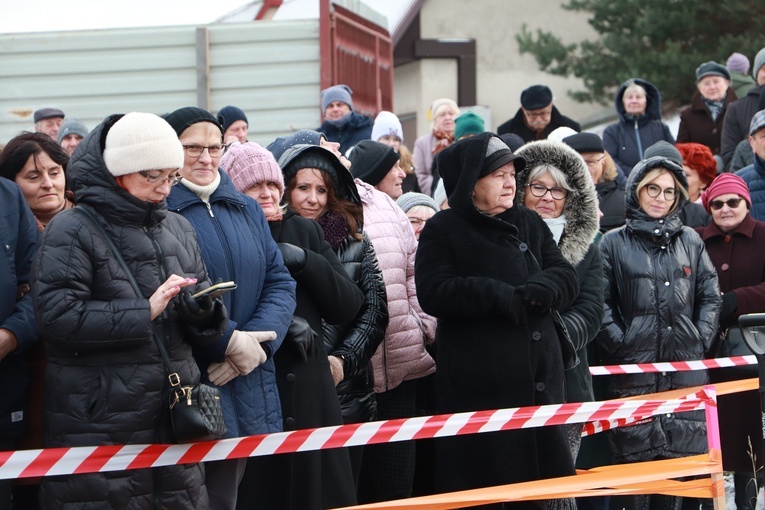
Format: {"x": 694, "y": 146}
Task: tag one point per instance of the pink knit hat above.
{"x": 724, "y": 184}
{"x": 248, "y": 164}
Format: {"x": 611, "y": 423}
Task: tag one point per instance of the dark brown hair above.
{"x": 19, "y": 149}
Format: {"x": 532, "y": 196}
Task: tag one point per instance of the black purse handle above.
{"x": 172, "y": 376}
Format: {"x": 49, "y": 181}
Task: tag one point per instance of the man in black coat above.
{"x": 537, "y": 117}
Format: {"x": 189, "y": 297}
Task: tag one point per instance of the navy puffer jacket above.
{"x": 662, "y": 303}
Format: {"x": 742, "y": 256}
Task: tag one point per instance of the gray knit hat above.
{"x": 759, "y": 61}
{"x": 666, "y": 150}
{"x": 340, "y": 93}
{"x": 141, "y": 141}
{"x": 412, "y": 199}
{"x": 72, "y": 127}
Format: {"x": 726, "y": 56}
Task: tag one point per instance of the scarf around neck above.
{"x": 203, "y": 192}
{"x": 443, "y": 140}
{"x": 556, "y": 226}
{"x": 335, "y": 229}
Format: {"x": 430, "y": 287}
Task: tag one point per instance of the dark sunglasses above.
{"x": 732, "y": 203}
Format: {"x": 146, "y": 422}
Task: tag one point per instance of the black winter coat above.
{"x": 319, "y": 479}
{"x": 584, "y": 316}
{"x": 662, "y": 302}
{"x": 105, "y": 382}
{"x": 517, "y": 125}
{"x": 627, "y": 140}
{"x": 611, "y": 198}
{"x": 736, "y": 124}
{"x": 468, "y": 268}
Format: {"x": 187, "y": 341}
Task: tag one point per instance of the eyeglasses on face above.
{"x": 539, "y": 191}
{"x": 732, "y": 203}
{"x": 654, "y": 191}
{"x": 195, "y": 151}
{"x": 157, "y": 178}
{"x": 593, "y": 162}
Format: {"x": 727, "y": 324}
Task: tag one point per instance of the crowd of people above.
{"x": 477, "y": 271}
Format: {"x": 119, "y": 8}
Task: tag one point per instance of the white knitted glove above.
{"x": 244, "y": 350}
{"x": 221, "y": 373}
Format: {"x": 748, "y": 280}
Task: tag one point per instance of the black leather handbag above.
{"x": 195, "y": 411}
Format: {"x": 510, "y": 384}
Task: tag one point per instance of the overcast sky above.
{"x": 53, "y": 15}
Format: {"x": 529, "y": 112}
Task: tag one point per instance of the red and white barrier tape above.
{"x": 63, "y": 461}
{"x": 675, "y": 366}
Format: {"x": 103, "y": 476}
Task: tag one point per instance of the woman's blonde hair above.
{"x": 654, "y": 173}
{"x": 406, "y": 160}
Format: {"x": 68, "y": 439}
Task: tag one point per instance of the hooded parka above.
{"x": 105, "y": 381}
{"x": 468, "y": 268}
{"x": 662, "y": 302}
{"x": 583, "y": 317}
{"x": 627, "y": 140}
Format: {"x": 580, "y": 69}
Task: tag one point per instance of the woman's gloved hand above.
{"x": 729, "y": 305}
{"x": 294, "y": 256}
{"x": 538, "y": 298}
{"x": 196, "y": 312}
{"x": 301, "y": 337}
{"x": 518, "y": 308}
{"x": 244, "y": 350}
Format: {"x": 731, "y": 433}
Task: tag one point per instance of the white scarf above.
{"x": 203, "y": 192}
{"x": 556, "y": 226}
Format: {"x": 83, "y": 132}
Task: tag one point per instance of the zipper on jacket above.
{"x": 209, "y": 209}
{"x": 637, "y": 139}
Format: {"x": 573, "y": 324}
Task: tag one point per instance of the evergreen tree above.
{"x": 661, "y": 41}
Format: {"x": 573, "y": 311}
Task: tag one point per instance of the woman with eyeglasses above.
{"x": 662, "y": 302}
{"x": 106, "y": 383}
{"x": 236, "y": 245}
{"x": 556, "y": 184}
{"x": 735, "y": 242}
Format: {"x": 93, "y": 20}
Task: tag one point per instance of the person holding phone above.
{"x": 236, "y": 246}
{"x": 105, "y": 383}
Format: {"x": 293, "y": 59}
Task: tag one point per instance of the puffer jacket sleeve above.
{"x": 613, "y": 327}
{"x": 583, "y": 318}
{"x": 62, "y": 291}
{"x": 277, "y": 300}
{"x": 706, "y": 315}
{"x": 326, "y": 279}
{"x": 369, "y": 326}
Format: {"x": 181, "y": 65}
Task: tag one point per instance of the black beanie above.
{"x": 302, "y": 156}
{"x": 584, "y": 142}
{"x": 184, "y": 117}
{"x": 371, "y": 161}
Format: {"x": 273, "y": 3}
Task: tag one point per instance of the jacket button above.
{"x": 666, "y": 284}
{"x": 536, "y": 335}
{"x": 669, "y": 328}
{"x": 523, "y": 246}
{"x": 290, "y": 378}
{"x": 289, "y": 422}
{"x": 540, "y": 386}
{"x": 725, "y": 267}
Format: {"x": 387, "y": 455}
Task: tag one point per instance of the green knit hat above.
{"x": 468, "y": 123}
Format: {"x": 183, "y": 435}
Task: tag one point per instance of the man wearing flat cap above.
{"x": 537, "y": 116}
{"x": 702, "y": 122}
{"x": 48, "y": 121}
{"x": 754, "y": 174}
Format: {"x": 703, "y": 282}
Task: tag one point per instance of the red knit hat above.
{"x": 724, "y": 184}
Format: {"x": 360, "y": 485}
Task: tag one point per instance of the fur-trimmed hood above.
{"x": 581, "y": 207}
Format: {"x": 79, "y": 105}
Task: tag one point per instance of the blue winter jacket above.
{"x": 237, "y": 245}
{"x": 18, "y": 240}
{"x": 754, "y": 175}
{"x": 627, "y": 140}
{"x": 348, "y": 131}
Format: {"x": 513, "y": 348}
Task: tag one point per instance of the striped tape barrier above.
{"x": 76, "y": 460}
{"x": 675, "y": 366}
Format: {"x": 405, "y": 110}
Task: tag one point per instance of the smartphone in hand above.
{"x": 215, "y": 290}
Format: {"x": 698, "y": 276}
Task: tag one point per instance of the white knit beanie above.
{"x": 387, "y": 124}
{"x": 142, "y": 141}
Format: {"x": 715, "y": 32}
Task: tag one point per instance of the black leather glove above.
{"x": 294, "y": 256}
{"x": 518, "y": 308}
{"x": 196, "y": 312}
{"x": 538, "y": 298}
{"x": 729, "y": 305}
{"x": 301, "y": 337}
